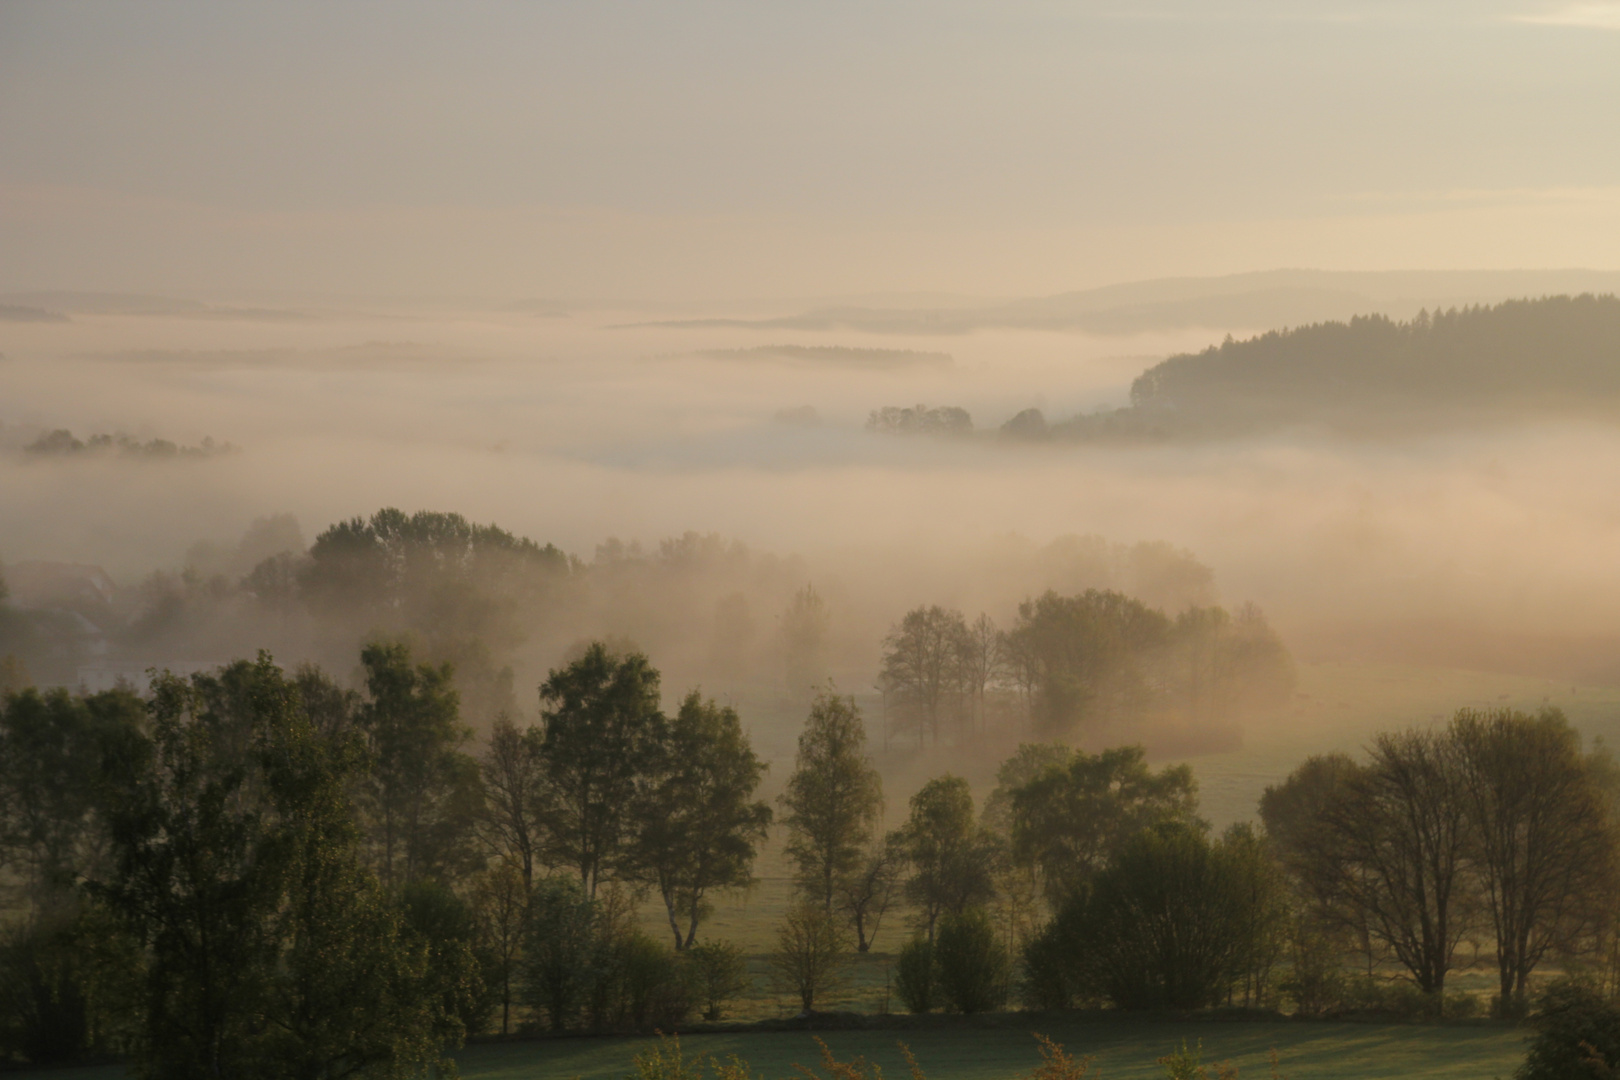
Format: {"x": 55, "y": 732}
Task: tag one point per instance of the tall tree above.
{"x": 422, "y": 797}
{"x": 352, "y": 991}
{"x": 804, "y": 638}
{"x": 1071, "y": 819}
{"x": 270, "y": 950}
{"x": 1540, "y": 839}
{"x": 923, "y": 666}
{"x": 1294, "y": 813}
{"x": 1395, "y": 846}
{"x": 981, "y": 664}
{"x": 601, "y": 722}
{"x": 952, "y": 858}
{"x": 698, "y": 820}
{"x": 833, "y": 798}
{"x": 515, "y": 796}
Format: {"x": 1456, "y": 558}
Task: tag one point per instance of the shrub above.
{"x": 1184, "y": 1064}
{"x": 1577, "y": 1034}
{"x": 971, "y": 963}
{"x": 1399, "y": 998}
{"x": 1049, "y": 963}
{"x": 643, "y": 985}
{"x": 1314, "y": 980}
{"x": 587, "y": 966}
{"x": 917, "y": 980}
{"x": 1168, "y": 924}
{"x": 559, "y": 951}
{"x": 718, "y": 974}
{"x": 811, "y": 955}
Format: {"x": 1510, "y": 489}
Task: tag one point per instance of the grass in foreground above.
{"x": 1007, "y": 1049}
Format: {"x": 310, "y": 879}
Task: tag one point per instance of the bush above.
{"x": 559, "y": 952}
{"x": 718, "y": 974}
{"x": 1314, "y": 982}
{"x": 642, "y": 985}
{"x": 1169, "y": 923}
{"x": 1398, "y": 998}
{"x": 917, "y": 979}
{"x": 1049, "y": 966}
{"x": 811, "y": 958}
{"x": 971, "y": 963}
{"x": 587, "y": 966}
{"x": 1577, "y": 1034}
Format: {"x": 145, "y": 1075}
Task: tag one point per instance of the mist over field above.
{"x": 580, "y": 428}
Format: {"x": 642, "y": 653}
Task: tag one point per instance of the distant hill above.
{"x": 1554, "y": 355}
{"x": 833, "y": 356}
{"x": 23, "y": 313}
{"x": 1237, "y": 302}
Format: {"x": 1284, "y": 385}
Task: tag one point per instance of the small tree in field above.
{"x": 811, "y": 955}
{"x": 720, "y": 973}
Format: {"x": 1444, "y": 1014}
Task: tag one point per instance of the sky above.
{"x": 696, "y": 152}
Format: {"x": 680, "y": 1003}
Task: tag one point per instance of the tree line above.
{"x": 257, "y": 870}
{"x": 1082, "y": 661}
{"x": 1370, "y": 373}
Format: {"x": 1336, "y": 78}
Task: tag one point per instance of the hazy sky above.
{"x": 703, "y": 150}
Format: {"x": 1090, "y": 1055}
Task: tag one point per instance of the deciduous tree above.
{"x": 601, "y": 721}
{"x": 698, "y": 822}
{"x": 832, "y": 800}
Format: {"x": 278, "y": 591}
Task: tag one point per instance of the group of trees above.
{"x": 1497, "y": 830}
{"x": 258, "y": 871}
{"x": 1085, "y": 660}
{"x": 199, "y": 893}
{"x": 253, "y": 865}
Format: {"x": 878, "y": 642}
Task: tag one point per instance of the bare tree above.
{"x": 501, "y": 905}
{"x": 1396, "y": 847}
{"x": 514, "y": 792}
{"x": 1541, "y": 843}
{"x": 980, "y": 663}
{"x": 867, "y": 893}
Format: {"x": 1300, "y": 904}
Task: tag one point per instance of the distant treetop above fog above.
{"x": 920, "y": 420}
{"x": 62, "y": 443}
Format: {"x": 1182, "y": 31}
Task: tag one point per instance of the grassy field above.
{"x": 1005, "y": 1048}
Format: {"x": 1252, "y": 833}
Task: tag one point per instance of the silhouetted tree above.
{"x": 952, "y": 859}
{"x": 698, "y": 822}
{"x": 832, "y": 800}
{"x": 602, "y": 724}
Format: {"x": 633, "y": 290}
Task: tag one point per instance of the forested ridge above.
{"x": 1557, "y": 353}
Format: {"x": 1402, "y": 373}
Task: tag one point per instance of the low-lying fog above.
{"x": 1481, "y": 547}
